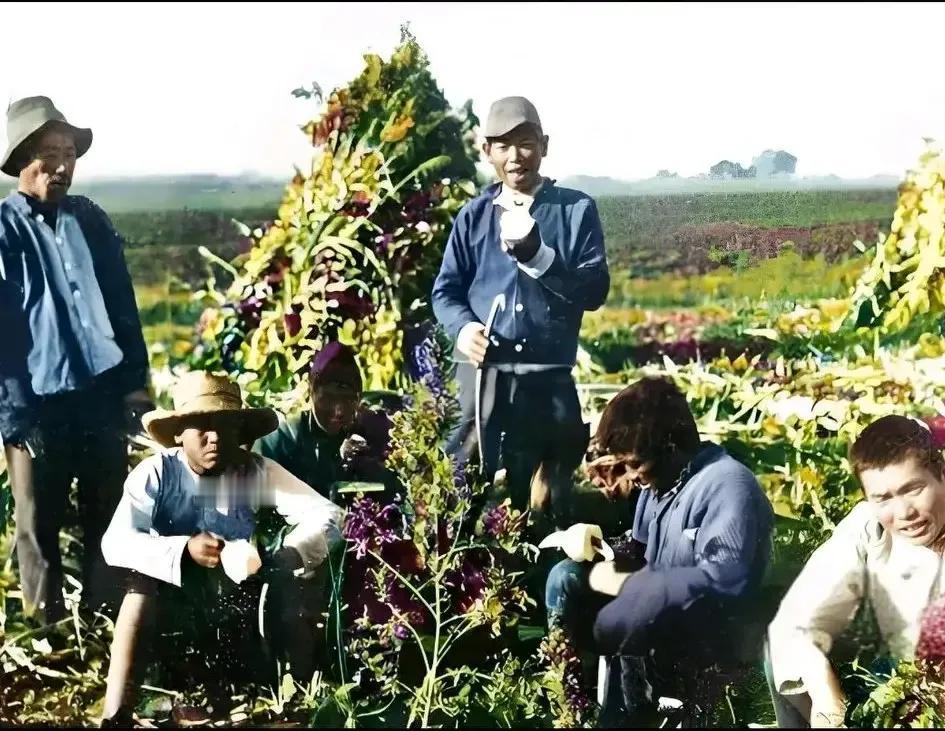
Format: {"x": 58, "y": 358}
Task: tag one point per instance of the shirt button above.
{"x": 519, "y": 307}
{"x": 77, "y": 294}
{"x": 518, "y": 347}
{"x": 39, "y": 217}
{"x": 58, "y": 240}
{"x": 85, "y": 323}
{"x": 68, "y": 267}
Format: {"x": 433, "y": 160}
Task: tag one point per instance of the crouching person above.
{"x": 700, "y": 545}
{"x": 198, "y": 527}
{"x": 340, "y": 438}
{"x": 887, "y": 553}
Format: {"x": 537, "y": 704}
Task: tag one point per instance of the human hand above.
{"x": 581, "y": 542}
{"x": 205, "y": 549}
{"x": 831, "y": 715}
{"x": 472, "y": 342}
{"x": 522, "y": 246}
{"x": 518, "y": 232}
{"x": 353, "y": 446}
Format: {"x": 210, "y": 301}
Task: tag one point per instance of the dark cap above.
{"x": 508, "y": 113}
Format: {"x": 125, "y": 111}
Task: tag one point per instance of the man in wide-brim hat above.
{"x": 74, "y": 366}
{"x": 202, "y": 504}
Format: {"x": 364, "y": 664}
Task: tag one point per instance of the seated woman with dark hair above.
{"x": 700, "y": 543}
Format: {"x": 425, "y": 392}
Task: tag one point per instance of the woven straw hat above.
{"x": 198, "y": 394}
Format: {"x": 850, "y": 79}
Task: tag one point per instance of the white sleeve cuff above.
{"x": 540, "y": 263}
{"x": 177, "y": 545}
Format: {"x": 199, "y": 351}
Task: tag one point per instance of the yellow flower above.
{"x": 398, "y": 130}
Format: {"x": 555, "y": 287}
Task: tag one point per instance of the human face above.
{"x": 517, "y": 157}
{"x": 48, "y": 174}
{"x": 909, "y": 500}
{"x": 211, "y": 443}
{"x": 335, "y": 406}
{"x": 618, "y": 475}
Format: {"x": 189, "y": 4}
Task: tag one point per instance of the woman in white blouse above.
{"x": 887, "y": 551}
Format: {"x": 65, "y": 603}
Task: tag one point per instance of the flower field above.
{"x": 435, "y": 616}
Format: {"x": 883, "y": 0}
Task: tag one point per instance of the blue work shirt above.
{"x": 67, "y": 306}
{"x": 542, "y": 315}
{"x": 708, "y": 536}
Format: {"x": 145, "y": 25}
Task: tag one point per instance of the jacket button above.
{"x": 519, "y": 307}
{"x": 518, "y": 347}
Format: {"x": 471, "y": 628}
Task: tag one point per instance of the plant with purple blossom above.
{"x": 439, "y": 595}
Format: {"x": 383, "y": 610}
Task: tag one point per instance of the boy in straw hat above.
{"x": 74, "y": 366}
{"x": 202, "y": 504}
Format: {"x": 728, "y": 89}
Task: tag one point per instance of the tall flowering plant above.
{"x": 357, "y": 240}
{"x": 433, "y": 583}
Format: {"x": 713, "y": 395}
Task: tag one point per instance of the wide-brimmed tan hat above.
{"x": 198, "y": 393}
{"x": 29, "y": 115}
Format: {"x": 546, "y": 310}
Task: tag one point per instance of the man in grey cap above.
{"x": 74, "y": 366}
{"x": 524, "y": 261}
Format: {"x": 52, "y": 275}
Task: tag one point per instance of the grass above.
{"x": 787, "y": 277}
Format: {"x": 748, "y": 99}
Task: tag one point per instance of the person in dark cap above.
{"x": 524, "y": 261}
{"x": 339, "y": 438}
{"x": 74, "y": 366}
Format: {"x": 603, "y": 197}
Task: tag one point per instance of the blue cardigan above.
{"x": 712, "y": 537}
{"x": 542, "y": 316}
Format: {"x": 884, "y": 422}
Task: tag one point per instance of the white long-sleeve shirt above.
{"x": 860, "y": 562}
{"x": 132, "y": 542}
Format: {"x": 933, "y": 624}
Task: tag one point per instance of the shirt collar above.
{"x": 494, "y": 190}
{"x": 29, "y": 206}
{"x": 707, "y": 452}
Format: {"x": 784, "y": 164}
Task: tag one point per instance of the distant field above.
{"x": 165, "y": 220}
{"x": 657, "y": 234}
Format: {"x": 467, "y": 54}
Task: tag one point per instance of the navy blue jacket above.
{"x": 33, "y": 318}
{"x": 711, "y": 537}
{"x": 542, "y": 317}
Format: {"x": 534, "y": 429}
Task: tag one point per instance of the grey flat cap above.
{"x": 508, "y": 113}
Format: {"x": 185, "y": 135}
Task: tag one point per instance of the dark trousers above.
{"x": 210, "y": 627}
{"x": 531, "y": 425}
{"x": 678, "y": 645}
{"x": 78, "y": 436}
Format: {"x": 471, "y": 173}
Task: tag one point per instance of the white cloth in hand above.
{"x": 240, "y": 560}
{"x": 578, "y": 542}
{"x": 515, "y": 226}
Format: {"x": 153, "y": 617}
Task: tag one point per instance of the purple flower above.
{"x": 383, "y": 243}
{"x": 460, "y": 481}
{"x": 250, "y": 310}
{"x": 496, "y": 521}
{"x": 353, "y": 304}
{"x": 468, "y": 584}
{"x": 293, "y": 323}
{"x": 369, "y": 525}
{"x": 416, "y": 207}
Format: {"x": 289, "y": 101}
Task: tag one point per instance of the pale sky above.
{"x": 623, "y": 89}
